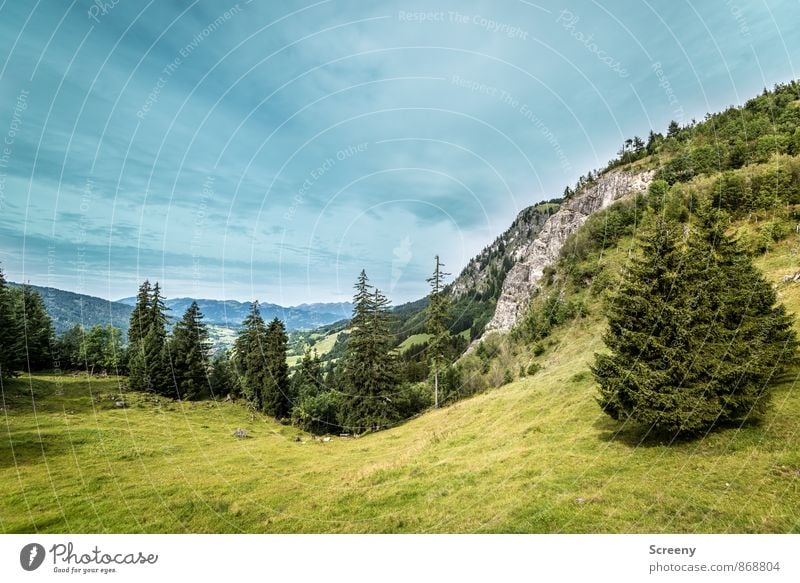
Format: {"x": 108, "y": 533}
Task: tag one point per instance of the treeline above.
{"x": 27, "y": 338}
{"x": 370, "y": 386}
{"x": 366, "y": 389}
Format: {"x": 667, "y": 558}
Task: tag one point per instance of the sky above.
{"x": 272, "y": 150}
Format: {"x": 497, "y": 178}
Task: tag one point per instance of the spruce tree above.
{"x": 369, "y": 375}
{"x": 70, "y": 348}
{"x": 140, "y": 320}
{"x": 695, "y": 335}
{"x": 438, "y": 314}
{"x": 156, "y": 354}
{"x": 277, "y": 400}
{"x": 250, "y": 357}
{"x": 307, "y": 381}
{"x": 190, "y": 351}
{"x": 32, "y": 330}
{"x": 222, "y": 378}
{"x": 8, "y": 357}
{"x": 149, "y": 367}
{"x": 140, "y": 323}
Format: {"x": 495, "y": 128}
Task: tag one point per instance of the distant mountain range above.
{"x": 230, "y": 313}
{"x": 69, "y": 308}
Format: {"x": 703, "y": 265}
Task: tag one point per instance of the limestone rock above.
{"x": 522, "y": 280}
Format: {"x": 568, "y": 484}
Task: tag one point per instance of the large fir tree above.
{"x": 694, "y": 332}
{"x": 250, "y": 357}
{"x": 190, "y": 351}
{"x": 33, "y": 337}
{"x": 369, "y": 375}
{"x": 140, "y": 322}
{"x": 277, "y": 400}
{"x": 155, "y": 347}
{"x": 140, "y": 316}
{"x": 149, "y": 360}
{"x": 438, "y": 314}
{"x": 8, "y": 356}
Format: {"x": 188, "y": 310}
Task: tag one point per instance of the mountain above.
{"x": 494, "y": 290}
{"x": 540, "y": 251}
{"x": 230, "y": 313}
{"x": 68, "y": 308}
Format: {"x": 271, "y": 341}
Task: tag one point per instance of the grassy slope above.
{"x": 533, "y": 456}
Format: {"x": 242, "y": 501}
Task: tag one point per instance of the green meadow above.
{"x": 536, "y": 455}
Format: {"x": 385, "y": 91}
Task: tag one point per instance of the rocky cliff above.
{"x": 542, "y": 250}
{"x": 487, "y": 270}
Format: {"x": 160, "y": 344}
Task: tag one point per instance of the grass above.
{"x": 536, "y": 455}
{"x": 411, "y": 341}
{"x": 323, "y": 346}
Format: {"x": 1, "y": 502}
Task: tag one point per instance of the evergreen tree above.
{"x": 70, "y": 348}
{"x": 307, "y": 381}
{"x": 695, "y": 335}
{"x": 190, "y": 351}
{"x": 33, "y": 335}
{"x": 140, "y": 320}
{"x": 139, "y": 327}
{"x": 222, "y": 378}
{"x": 148, "y": 356}
{"x": 369, "y": 375}
{"x": 156, "y": 353}
{"x": 277, "y": 400}
{"x": 101, "y": 349}
{"x": 438, "y": 316}
{"x": 250, "y": 357}
{"x": 8, "y": 356}
{"x": 316, "y": 404}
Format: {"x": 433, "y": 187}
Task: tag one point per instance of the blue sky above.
{"x": 272, "y": 150}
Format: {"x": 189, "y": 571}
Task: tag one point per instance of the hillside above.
{"x": 536, "y": 455}
{"x": 67, "y": 309}
{"x": 522, "y": 445}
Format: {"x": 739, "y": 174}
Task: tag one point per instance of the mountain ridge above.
{"x": 67, "y": 308}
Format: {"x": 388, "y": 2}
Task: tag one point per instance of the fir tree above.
{"x": 8, "y": 356}
{"x": 149, "y": 360}
{"x": 101, "y": 349}
{"x": 190, "y": 351}
{"x": 277, "y": 400}
{"x": 250, "y": 358}
{"x": 438, "y": 313}
{"x": 307, "y": 381}
{"x": 369, "y": 375}
{"x": 222, "y": 378}
{"x": 70, "y": 347}
{"x": 695, "y": 335}
{"x": 140, "y": 323}
{"x": 140, "y": 320}
{"x": 33, "y": 330}
{"x": 156, "y": 352}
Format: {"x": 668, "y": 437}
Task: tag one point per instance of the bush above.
{"x": 412, "y": 398}
{"x": 533, "y": 368}
{"x": 317, "y": 413}
{"x": 544, "y": 314}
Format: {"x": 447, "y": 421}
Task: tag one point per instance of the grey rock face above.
{"x": 477, "y": 275}
{"x": 522, "y": 280}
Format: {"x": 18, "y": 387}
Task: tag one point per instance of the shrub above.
{"x": 317, "y": 413}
